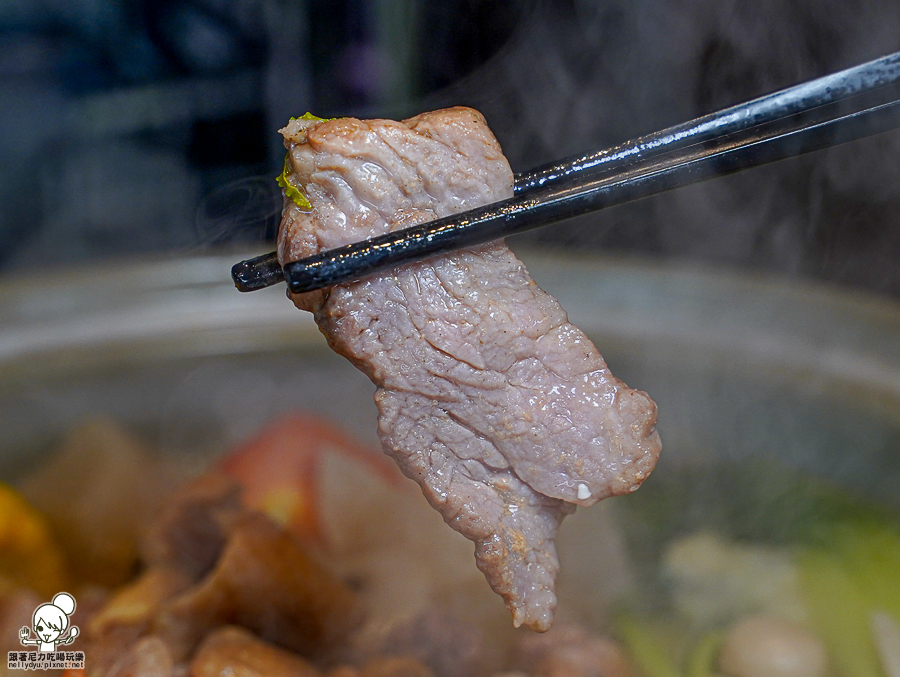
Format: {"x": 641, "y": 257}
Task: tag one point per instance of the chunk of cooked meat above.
{"x": 263, "y": 581}
{"x": 212, "y": 563}
{"x": 148, "y": 657}
{"x": 135, "y": 605}
{"x": 234, "y": 651}
{"x": 189, "y": 535}
{"x": 504, "y": 413}
{"x": 181, "y": 547}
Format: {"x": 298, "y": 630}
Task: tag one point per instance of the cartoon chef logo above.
{"x": 50, "y": 623}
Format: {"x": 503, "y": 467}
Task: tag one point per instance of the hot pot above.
{"x": 749, "y": 371}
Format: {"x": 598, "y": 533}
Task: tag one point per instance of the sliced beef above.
{"x": 504, "y": 413}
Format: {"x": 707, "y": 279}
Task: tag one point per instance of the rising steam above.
{"x": 242, "y": 212}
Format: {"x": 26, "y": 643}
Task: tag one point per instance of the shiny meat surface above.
{"x": 504, "y": 413}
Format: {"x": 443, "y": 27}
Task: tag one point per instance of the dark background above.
{"x": 137, "y": 126}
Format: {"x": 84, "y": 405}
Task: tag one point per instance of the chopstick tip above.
{"x": 257, "y": 273}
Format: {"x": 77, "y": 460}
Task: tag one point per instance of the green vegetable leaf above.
{"x": 703, "y": 658}
{"x": 290, "y": 190}
{"x": 653, "y": 646}
{"x": 856, "y": 574}
{"x": 309, "y": 116}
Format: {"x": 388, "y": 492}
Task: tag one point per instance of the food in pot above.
{"x": 97, "y": 470}
{"x": 209, "y": 562}
{"x": 504, "y": 413}
{"x": 570, "y": 651}
{"x": 764, "y": 645}
{"x": 226, "y": 589}
{"x": 375, "y": 585}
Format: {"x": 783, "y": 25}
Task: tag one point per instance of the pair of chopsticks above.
{"x": 845, "y": 106}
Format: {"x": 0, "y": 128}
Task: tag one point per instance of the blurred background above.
{"x": 150, "y": 126}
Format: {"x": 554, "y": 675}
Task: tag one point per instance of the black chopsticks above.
{"x": 834, "y": 109}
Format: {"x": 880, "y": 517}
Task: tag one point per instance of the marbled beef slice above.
{"x": 503, "y": 412}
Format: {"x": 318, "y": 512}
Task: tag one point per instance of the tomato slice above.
{"x": 279, "y": 469}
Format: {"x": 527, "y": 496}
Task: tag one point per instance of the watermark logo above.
{"x": 50, "y": 623}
